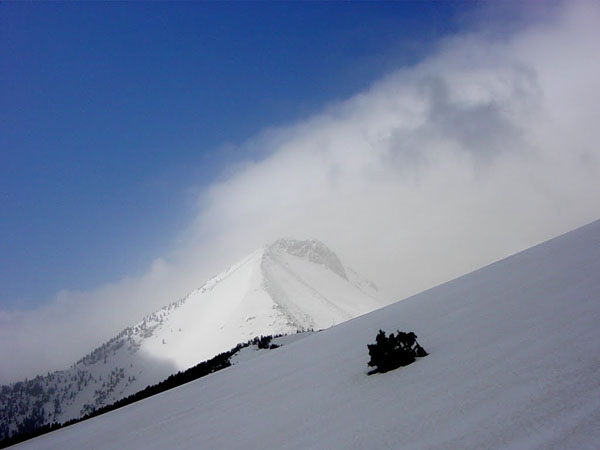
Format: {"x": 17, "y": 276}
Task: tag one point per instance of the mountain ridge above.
{"x": 281, "y": 288}
{"x": 513, "y": 363}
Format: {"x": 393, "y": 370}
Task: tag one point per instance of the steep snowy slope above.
{"x": 514, "y": 363}
{"x": 287, "y": 286}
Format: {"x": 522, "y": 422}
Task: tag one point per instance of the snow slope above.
{"x": 285, "y": 287}
{"x": 514, "y": 363}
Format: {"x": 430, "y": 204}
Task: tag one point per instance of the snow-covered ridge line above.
{"x": 149, "y": 322}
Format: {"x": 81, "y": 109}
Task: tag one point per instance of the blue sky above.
{"x": 113, "y": 113}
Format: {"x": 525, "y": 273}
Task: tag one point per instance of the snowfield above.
{"x": 514, "y": 363}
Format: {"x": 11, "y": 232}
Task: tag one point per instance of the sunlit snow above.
{"x": 514, "y": 363}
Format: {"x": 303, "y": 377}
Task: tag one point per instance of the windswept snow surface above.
{"x": 514, "y": 363}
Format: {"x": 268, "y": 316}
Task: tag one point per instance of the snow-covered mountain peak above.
{"x": 287, "y": 286}
{"x": 312, "y": 250}
{"x": 513, "y": 364}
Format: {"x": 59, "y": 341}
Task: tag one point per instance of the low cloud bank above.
{"x": 486, "y": 147}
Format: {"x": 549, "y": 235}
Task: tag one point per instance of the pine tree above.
{"x": 388, "y": 353}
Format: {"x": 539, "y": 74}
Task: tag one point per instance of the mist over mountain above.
{"x": 513, "y": 363}
{"x": 282, "y": 288}
{"x": 484, "y": 146}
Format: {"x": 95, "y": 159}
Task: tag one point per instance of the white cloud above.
{"x": 486, "y": 147}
